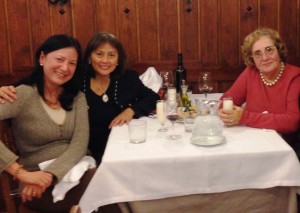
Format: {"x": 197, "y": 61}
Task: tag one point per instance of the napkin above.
{"x": 70, "y": 179}
{"x": 151, "y": 79}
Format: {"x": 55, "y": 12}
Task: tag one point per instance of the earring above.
{"x": 41, "y": 64}
{"x": 89, "y": 61}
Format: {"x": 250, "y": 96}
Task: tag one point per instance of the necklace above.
{"x": 53, "y": 105}
{"x": 273, "y": 82}
{"x": 105, "y": 96}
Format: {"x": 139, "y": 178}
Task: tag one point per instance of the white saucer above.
{"x": 210, "y": 140}
{"x": 180, "y": 121}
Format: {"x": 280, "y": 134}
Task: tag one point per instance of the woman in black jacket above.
{"x": 114, "y": 94}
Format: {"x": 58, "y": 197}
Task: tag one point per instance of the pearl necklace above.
{"x": 273, "y": 82}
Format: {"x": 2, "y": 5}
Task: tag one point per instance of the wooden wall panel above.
{"x": 127, "y": 25}
{"x": 4, "y": 43}
{"x": 189, "y": 31}
{"x": 288, "y": 27}
{"x": 147, "y": 30}
{"x": 152, "y": 32}
{"x": 40, "y": 27}
{"x": 19, "y": 33}
{"x": 248, "y": 17}
{"x": 266, "y": 19}
{"x": 229, "y": 34}
{"x": 105, "y": 15}
{"x": 61, "y": 23}
{"x": 83, "y": 20}
{"x": 168, "y": 30}
{"x": 209, "y": 32}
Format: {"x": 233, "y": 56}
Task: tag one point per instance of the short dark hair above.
{"x": 70, "y": 88}
{"x": 257, "y": 34}
{"x": 94, "y": 43}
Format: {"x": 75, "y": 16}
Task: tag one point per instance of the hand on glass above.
{"x": 232, "y": 119}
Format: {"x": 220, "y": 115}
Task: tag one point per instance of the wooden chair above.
{"x": 8, "y": 185}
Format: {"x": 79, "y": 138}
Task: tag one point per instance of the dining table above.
{"x": 252, "y": 170}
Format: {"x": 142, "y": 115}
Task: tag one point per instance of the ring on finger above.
{"x": 33, "y": 193}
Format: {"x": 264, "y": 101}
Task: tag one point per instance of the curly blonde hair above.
{"x": 257, "y": 34}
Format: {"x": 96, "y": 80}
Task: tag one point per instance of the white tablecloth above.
{"x": 160, "y": 168}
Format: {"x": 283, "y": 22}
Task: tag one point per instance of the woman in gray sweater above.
{"x": 49, "y": 121}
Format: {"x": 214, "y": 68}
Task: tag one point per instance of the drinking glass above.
{"x": 172, "y": 103}
{"x": 167, "y": 81}
{"x": 205, "y": 83}
{"x": 161, "y": 113}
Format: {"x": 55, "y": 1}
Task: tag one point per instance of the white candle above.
{"x": 227, "y": 105}
{"x": 171, "y": 93}
{"x": 161, "y": 111}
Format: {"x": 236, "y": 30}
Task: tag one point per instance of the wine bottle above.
{"x": 180, "y": 72}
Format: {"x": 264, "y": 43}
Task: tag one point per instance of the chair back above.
{"x": 6, "y": 182}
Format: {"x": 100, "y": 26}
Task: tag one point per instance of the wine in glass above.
{"x": 172, "y": 103}
{"x": 205, "y": 83}
{"x": 161, "y": 113}
{"x": 167, "y": 81}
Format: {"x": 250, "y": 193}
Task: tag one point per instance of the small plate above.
{"x": 180, "y": 121}
{"x": 207, "y": 140}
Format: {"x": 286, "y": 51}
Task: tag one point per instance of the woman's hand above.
{"x": 31, "y": 191}
{"x": 123, "y": 118}
{"x": 232, "y": 119}
{"x": 39, "y": 178}
{"x": 7, "y": 93}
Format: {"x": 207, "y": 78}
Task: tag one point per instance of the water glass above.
{"x": 188, "y": 124}
{"x": 227, "y": 105}
{"x": 137, "y": 131}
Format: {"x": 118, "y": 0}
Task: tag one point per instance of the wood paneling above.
{"x": 83, "y": 21}
{"x": 39, "y": 25}
{"x": 168, "y": 30}
{"x": 189, "y": 31}
{"x": 127, "y": 23}
{"x": 152, "y": 32}
{"x": 147, "y": 30}
{"x": 18, "y": 33}
{"x": 4, "y": 43}
{"x": 209, "y": 17}
{"x": 105, "y": 15}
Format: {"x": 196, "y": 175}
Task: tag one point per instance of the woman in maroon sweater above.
{"x": 269, "y": 87}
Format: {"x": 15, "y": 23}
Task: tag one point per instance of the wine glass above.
{"x": 161, "y": 113}
{"x": 172, "y": 103}
{"x": 167, "y": 81}
{"x": 167, "y": 78}
{"x": 205, "y": 84}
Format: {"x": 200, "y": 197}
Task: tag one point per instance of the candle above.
{"x": 161, "y": 111}
{"x": 227, "y": 105}
{"x": 172, "y": 93}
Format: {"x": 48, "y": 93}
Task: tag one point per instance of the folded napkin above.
{"x": 151, "y": 79}
{"x": 70, "y": 179}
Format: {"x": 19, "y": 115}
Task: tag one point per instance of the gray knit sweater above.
{"x": 38, "y": 138}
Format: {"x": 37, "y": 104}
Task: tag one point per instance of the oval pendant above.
{"x": 104, "y": 98}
